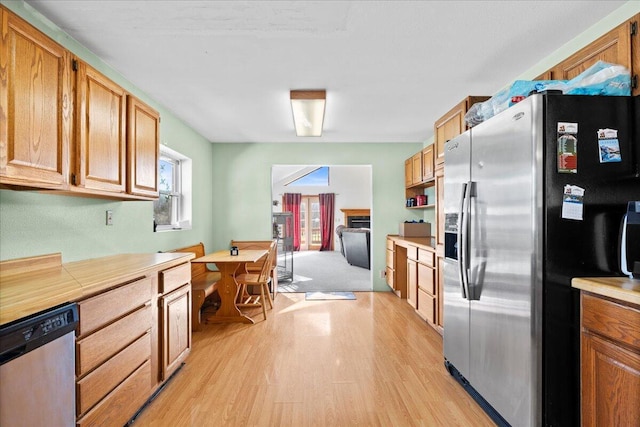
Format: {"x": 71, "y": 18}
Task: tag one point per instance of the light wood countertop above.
{"x": 25, "y": 291}
{"x": 620, "y": 288}
{"x": 428, "y": 243}
{"x": 97, "y": 275}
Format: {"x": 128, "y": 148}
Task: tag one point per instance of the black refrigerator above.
{"x": 534, "y": 197}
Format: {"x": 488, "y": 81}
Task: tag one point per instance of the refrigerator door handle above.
{"x": 460, "y": 241}
{"x": 464, "y": 243}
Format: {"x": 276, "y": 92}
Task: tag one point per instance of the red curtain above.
{"x": 291, "y": 203}
{"x": 326, "y": 220}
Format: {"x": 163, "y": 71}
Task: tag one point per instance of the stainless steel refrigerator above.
{"x": 534, "y": 196}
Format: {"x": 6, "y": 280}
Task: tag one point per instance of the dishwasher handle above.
{"x": 28, "y": 333}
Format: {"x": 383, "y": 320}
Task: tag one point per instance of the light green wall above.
{"x": 231, "y": 181}
{"x": 34, "y": 224}
{"x": 243, "y": 205}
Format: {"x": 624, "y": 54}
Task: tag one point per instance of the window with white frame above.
{"x": 172, "y": 210}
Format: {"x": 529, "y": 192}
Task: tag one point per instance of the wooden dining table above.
{"x": 229, "y": 266}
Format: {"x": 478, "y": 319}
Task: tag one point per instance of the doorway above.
{"x": 315, "y": 270}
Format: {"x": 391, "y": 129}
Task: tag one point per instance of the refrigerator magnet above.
{"x": 567, "y": 147}
{"x": 609, "y": 146}
{"x": 572, "y": 202}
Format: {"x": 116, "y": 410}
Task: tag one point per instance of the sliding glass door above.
{"x": 310, "y": 232}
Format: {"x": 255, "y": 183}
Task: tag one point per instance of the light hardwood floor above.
{"x": 369, "y": 362}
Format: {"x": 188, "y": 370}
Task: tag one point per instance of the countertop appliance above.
{"x": 37, "y": 369}
{"x": 534, "y": 196}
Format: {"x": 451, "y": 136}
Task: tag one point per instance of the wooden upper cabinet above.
{"x": 408, "y": 172}
{"x": 427, "y": 163}
{"x": 448, "y": 126}
{"x": 35, "y": 107}
{"x": 439, "y": 173}
{"x": 143, "y": 127}
{"x": 619, "y": 46}
{"x": 451, "y": 125}
{"x": 416, "y": 160}
{"x": 100, "y": 132}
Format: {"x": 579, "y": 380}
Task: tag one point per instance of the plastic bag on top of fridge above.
{"x": 601, "y": 78}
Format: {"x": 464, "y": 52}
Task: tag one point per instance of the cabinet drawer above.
{"x": 105, "y": 378}
{"x": 123, "y": 402}
{"x": 426, "y": 306}
{"x": 425, "y": 257}
{"x": 426, "y": 279}
{"x": 103, "y": 309}
{"x": 412, "y": 252}
{"x": 175, "y": 277}
{"x": 390, "y": 258}
{"x": 612, "y": 320}
{"x": 390, "y": 277}
{"x": 100, "y": 346}
{"x": 390, "y": 244}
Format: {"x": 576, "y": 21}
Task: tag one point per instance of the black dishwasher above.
{"x": 37, "y": 369}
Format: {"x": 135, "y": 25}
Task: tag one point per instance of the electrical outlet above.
{"x": 383, "y": 274}
{"x": 109, "y": 217}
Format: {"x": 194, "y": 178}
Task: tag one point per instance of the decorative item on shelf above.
{"x": 234, "y": 251}
{"x": 411, "y": 202}
{"x": 421, "y": 199}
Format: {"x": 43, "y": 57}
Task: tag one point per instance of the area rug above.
{"x": 318, "y": 296}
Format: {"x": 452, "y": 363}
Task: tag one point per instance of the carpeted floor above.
{"x": 325, "y": 272}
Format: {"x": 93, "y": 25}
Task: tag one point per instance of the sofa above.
{"x": 355, "y": 245}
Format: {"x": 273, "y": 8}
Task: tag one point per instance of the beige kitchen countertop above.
{"x": 44, "y": 282}
{"x": 620, "y": 288}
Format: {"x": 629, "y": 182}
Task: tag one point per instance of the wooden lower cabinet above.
{"x": 113, "y": 353}
{"x": 439, "y": 291}
{"x": 122, "y": 403}
{"x": 412, "y": 282}
{"x": 420, "y": 279}
{"x": 130, "y": 339}
{"x": 176, "y": 329}
{"x": 610, "y": 362}
{"x": 427, "y": 297}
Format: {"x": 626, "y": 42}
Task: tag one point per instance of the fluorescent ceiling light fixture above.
{"x": 308, "y": 111}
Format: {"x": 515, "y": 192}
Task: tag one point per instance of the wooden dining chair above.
{"x": 261, "y": 280}
{"x": 255, "y": 267}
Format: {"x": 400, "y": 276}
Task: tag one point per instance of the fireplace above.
{"x": 357, "y": 218}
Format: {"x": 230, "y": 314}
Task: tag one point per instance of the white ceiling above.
{"x": 390, "y": 68}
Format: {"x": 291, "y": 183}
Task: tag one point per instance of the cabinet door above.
{"x": 439, "y": 287}
{"x": 426, "y": 279}
{"x": 440, "y": 206}
{"x": 412, "y": 283}
{"x": 100, "y": 132}
{"x": 35, "y": 101}
{"x": 408, "y": 172}
{"x": 176, "y": 329}
{"x": 427, "y": 163}
{"x": 610, "y": 383}
{"x": 143, "y": 126}
{"x": 448, "y": 127}
{"x": 613, "y": 47}
{"x": 417, "y": 168}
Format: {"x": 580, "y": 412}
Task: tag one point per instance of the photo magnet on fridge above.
{"x": 573, "y": 202}
{"x": 567, "y": 147}
{"x": 609, "y": 146}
